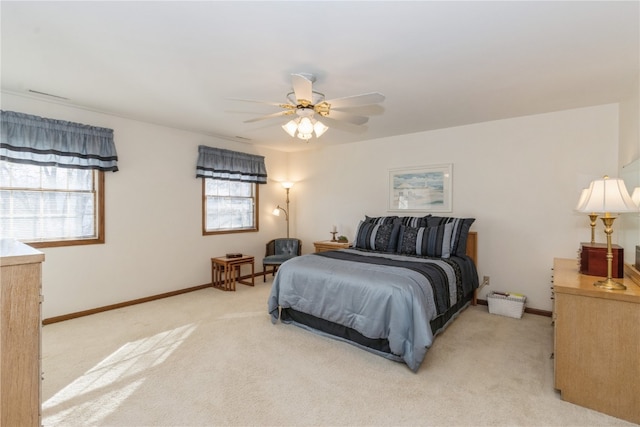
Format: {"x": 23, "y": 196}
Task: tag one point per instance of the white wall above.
{"x": 154, "y": 242}
{"x": 630, "y": 126}
{"x": 629, "y": 162}
{"x": 520, "y": 178}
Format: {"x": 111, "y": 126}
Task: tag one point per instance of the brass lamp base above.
{"x": 610, "y": 284}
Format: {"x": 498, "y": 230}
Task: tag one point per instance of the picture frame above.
{"x": 421, "y": 189}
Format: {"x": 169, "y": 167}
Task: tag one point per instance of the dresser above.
{"x": 328, "y": 245}
{"x": 20, "y": 324}
{"x": 596, "y": 342}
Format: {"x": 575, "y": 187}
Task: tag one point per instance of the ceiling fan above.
{"x": 309, "y": 106}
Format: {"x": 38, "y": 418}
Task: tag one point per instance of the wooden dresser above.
{"x": 20, "y": 323}
{"x": 597, "y": 342}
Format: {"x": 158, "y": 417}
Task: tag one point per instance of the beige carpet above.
{"x": 214, "y": 358}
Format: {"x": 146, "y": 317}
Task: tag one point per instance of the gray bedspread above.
{"x": 378, "y": 295}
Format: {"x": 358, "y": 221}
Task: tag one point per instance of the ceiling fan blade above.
{"x": 347, "y": 117}
{"x": 357, "y": 100}
{"x": 365, "y": 110}
{"x": 302, "y": 87}
{"x": 271, "y": 116}
{"x": 278, "y": 104}
{"x": 340, "y": 125}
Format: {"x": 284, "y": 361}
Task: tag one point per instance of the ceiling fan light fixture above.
{"x": 304, "y": 136}
{"x": 319, "y": 128}
{"x": 291, "y": 127}
{"x": 305, "y": 126}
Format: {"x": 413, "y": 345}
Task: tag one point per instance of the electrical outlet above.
{"x": 485, "y": 280}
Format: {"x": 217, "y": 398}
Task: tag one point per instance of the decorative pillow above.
{"x": 458, "y": 235}
{"x": 411, "y": 221}
{"x": 414, "y": 221}
{"x": 376, "y": 237}
{"x": 380, "y": 219}
{"x": 426, "y": 241}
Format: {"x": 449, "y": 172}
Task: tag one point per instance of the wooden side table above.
{"x": 225, "y": 272}
{"x": 328, "y": 245}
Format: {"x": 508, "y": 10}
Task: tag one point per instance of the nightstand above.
{"x": 328, "y": 245}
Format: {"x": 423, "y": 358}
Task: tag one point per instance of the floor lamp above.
{"x": 608, "y": 197}
{"x": 287, "y": 186}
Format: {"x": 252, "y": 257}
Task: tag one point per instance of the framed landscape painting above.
{"x": 421, "y": 189}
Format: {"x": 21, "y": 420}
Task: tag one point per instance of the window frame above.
{"x": 256, "y": 208}
{"x": 99, "y": 184}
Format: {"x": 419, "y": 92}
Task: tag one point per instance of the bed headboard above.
{"x": 472, "y": 246}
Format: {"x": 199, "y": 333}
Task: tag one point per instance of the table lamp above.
{"x": 608, "y": 197}
{"x": 592, "y": 215}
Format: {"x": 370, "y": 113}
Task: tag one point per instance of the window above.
{"x": 229, "y": 206}
{"x": 51, "y": 206}
{"x": 229, "y": 189}
{"x": 52, "y": 180}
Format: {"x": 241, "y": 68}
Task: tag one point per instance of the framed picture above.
{"x": 421, "y": 189}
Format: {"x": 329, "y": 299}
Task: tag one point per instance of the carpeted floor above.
{"x": 211, "y": 358}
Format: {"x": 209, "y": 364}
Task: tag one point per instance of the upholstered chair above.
{"x": 279, "y": 251}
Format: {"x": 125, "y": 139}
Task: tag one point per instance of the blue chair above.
{"x": 279, "y": 251}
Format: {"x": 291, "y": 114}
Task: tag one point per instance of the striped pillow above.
{"x": 411, "y": 221}
{"x": 380, "y": 219}
{"x": 414, "y": 221}
{"x": 426, "y": 241}
{"x": 377, "y": 237}
{"x": 458, "y": 235}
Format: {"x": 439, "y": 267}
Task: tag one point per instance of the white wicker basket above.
{"x": 510, "y": 306}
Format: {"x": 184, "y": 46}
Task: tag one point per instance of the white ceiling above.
{"x": 440, "y": 64}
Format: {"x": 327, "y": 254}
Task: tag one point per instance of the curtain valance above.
{"x": 230, "y": 165}
{"x": 48, "y": 142}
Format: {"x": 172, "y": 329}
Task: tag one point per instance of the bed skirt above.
{"x": 377, "y": 345}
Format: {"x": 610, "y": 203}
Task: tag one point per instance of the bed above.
{"x": 400, "y": 284}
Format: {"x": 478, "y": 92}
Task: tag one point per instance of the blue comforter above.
{"x": 385, "y": 296}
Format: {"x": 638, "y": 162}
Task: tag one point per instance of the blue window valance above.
{"x": 48, "y": 142}
{"x": 230, "y": 165}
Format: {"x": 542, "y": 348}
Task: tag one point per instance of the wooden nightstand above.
{"x": 328, "y": 245}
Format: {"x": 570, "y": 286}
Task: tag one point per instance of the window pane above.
{"x": 47, "y": 203}
{"x": 242, "y": 189}
{"x": 19, "y": 175}
{"x": 229, "y": 205}
{"x": 229, "y": 212}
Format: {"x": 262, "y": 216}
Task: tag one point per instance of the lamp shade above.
{"x": 607, "y": 196}
{"x": 291, "y": 127}
{"x": 319, "y": 128}
{"x": 583, "y": 197}
{"x": 305, "y": 125}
